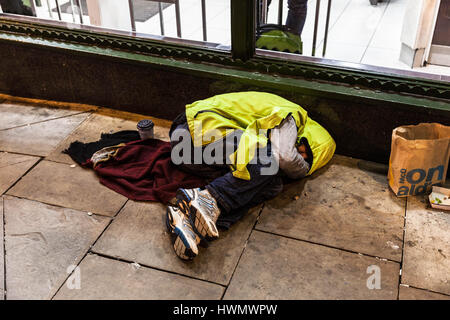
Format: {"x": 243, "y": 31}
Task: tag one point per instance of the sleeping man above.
{"x": 244, "y": 144}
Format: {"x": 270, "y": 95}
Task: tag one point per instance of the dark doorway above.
{"x": 440, "y": 45}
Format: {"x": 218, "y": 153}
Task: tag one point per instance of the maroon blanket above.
{"x": 142, "y": 170}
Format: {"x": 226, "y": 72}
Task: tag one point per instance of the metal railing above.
{"x": 77, "y": 7}
{"x": 264, "y": 14}
{"x": 77, "y": 4}
{"x": 327, "y": 24}
{"x": 161, "y": 16}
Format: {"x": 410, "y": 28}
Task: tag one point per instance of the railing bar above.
{"x": 80, "y": 11}
{"x": 204, "y": 20}
{"x": 49, "y": 9}
{"x": 264, "y": 12}
{"x": 280, "y": 12}
{"x": 177, "y": 13}
{"x": 33, "y": 7}
{"x": 243, "y": 16}
{"x": 161, "y": 18}
{"x": 58, "y": 9}
{"x": 316, "y": 21}
{"x": 73, "y": 11}
{"x": 326, "y": 29}
{"x": 258, "y": 18}
{"x": 133, "y": 24}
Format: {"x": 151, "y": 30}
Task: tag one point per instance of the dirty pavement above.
{"x": 338, "y": 234}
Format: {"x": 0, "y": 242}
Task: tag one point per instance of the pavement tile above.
{"x": 12, "y": 167}
{"x": 426, "y": 261}
{"x": 274, "y": 267}
{"x": 40, "y": 138}
{"x": 70, "y": 187}
{"x": 408, "y": 293}
{"x": 103, "y": 278}
{"x": 2, "y": 258}
{"x": 15, "y": 115}
{"x": 341, "y": 206}
{"x": 106, "y": 122}
{"x": 139, "y": 234}
{"x": 42, "y": 242}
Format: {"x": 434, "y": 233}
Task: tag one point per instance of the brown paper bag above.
{"x": 419, "y": 158}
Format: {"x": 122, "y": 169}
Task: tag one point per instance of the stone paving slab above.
{"x": 275, "y": 267}
{"x": 426, "y": 261}
{"x": 340, "y": 206}
{"x": 12, "y": 167}
{"x": 139, "y": 234}
{"x": 15, "y": 115}
{"x": 2, "y": 258}
{"x": 42, "y": 242}
{"x": 40, "y": 138}
{"x": 70, "y": 187}
{"x": 103, "y": 278}
{"x": 106, "y": 122}
{"x": 408, "y": 293}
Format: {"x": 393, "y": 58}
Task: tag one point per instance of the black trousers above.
{"x": 234, "y": 196}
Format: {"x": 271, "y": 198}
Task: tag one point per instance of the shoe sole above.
{"x": 202, "y": 225}
{"x": 180, "y": 243}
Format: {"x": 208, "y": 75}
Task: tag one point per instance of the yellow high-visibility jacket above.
{"x": 251, "y": 112}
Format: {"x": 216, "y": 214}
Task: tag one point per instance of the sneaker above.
{"x": 183, "y": 236}
{"x": 202, "y": 209}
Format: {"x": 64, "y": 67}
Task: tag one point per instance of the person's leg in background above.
{"x": 296, "y": 16}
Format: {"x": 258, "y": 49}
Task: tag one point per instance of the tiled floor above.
{"x": 65, "y": 236}
{"x": 358, "y": 32}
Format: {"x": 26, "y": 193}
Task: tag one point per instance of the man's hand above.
{"x": 291, "y": 158}
{"x": 302, "y": 150}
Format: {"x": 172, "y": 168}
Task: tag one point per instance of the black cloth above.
{"x": 82, "y": 152}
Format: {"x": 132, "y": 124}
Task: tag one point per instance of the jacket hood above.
{"x": 320, "y": 142}
{"x": 251, "y": 112}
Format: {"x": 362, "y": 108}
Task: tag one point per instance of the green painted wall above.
{"x": 360, "y": 120}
